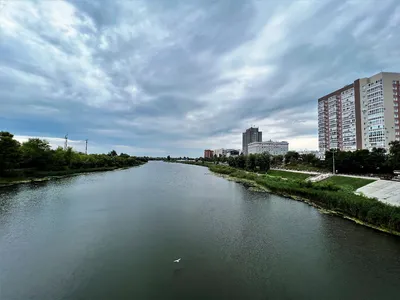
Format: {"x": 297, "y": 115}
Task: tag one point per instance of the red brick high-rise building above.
{"x": 208, "y": 153}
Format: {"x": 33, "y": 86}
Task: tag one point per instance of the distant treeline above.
{"x": 36, "y": 156}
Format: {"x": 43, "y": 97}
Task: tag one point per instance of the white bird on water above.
{"x": 177, "y": 260}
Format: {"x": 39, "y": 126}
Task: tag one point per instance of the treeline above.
{"x": 251, "y": 162}
{"x": 36, "y": 155}
{"x": 376, "y": 161}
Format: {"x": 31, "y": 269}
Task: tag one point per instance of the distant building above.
{"x": 317, "y": 154}
{"x": 220, "y": 152}
{"x": 226, "y": 152}
{"x": 251, "y": 135}
{"x": 273, "y": 148}
{"x": 232, "y": 152}
{"x": 361, "y": 115}
{"x": 208, "y": 153}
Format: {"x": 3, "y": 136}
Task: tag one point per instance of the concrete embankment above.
{"x": 384, "y": 190}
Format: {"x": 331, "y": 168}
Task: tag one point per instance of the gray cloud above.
{"x": 180, "y": 76}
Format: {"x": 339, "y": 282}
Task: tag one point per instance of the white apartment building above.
{"x": 219, "y": 152}
{"x": 273, "y": 148}
{"x": 362, "y": 115}
{"x": 226, "y": 152}
{"x": 380, "y": 110}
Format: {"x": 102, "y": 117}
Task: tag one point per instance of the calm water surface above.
{"x": 114, "y": 235}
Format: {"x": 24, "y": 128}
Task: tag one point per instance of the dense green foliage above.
{"x": 288, "y": 174}
{"x": 360, "y": 161}
{"x": 394, "y": 155}
{"x": 9, "y": 152}
{"x": 35, "y": 157}
{"x": 326, "y": 195}
{"x": 251, "y": 162}
{"x": 376, "y": 161}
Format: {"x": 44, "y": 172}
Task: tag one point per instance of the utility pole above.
{"x": 66, "y": 142}
{"x": 333, "y": 161}
{"x": 86, "y": 147}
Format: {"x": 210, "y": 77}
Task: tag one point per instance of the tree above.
{"x": 58, "y": 158}
{"x": 394, "y": 155}
{"x": 124, "y": 155}
{"x": 240, "y": 161}
{"x": 378, "y": 161}
{"x": 263, "y": 161}
{"x": 36, "y": 153}
{"x": 232, "y": 161}
{"x": 309, "y": 158}
{"x": 168, "y": 158}
{"x": 251, "y": 162}
{"x": 113, "y": 153}
{"x": 277, "y": 160}
{"x": 9, "y": 152}
{"x": 291, "y": 157}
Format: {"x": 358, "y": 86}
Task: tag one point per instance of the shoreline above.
{"x": 70, "y": 173}
{"x": 320, "y": 208}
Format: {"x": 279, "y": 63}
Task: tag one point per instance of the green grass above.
{"x": 301, "y": 167}
{"x": 288, "y": 174}
{"x": 348, "y": 183}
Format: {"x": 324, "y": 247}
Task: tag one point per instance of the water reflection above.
{"x": 114, "y": 236}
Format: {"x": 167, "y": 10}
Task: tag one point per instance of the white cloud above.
{"x": 187, "y": 75}
{"x": 55, "y": 142}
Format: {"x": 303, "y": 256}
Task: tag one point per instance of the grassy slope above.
{"x": 329, "y": 196}
{"x": 300, "y": 167}
{"x": 288, "y": 175}
{"x": 349, "y": 183}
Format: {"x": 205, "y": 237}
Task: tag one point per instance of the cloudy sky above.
{"x": 161, "y": 77}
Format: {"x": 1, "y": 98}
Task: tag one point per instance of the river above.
{"x": 114, "y": 235}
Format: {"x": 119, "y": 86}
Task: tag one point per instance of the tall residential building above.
{"x": 380, "y": 110}
{"x": 361, "y": 115}
{"x": 208, "y": 153}
{"x": 251, "y": 135}
{"x": 273, "y": 148}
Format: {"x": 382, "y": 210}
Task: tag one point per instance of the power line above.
{"x": 66, "y": 142}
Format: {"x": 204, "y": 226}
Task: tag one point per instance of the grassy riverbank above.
{"x": 328, "y": 196}
{"x": 351, "y": 183}
{"x": 288, "y": 174}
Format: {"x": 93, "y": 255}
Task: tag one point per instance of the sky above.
{"x": 159, "y": 77}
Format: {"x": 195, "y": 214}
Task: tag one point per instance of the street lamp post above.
{"x": 333, "y": 161}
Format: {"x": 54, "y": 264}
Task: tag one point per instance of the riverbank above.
{"x": 327, "y": 197}
{"x": 54, "y": 175}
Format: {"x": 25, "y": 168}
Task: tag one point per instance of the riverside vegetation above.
{"x": 378, "y": 161}
{"x": 329, "y": 194}
{"x": 325, "y": 195}
{"x": 35, "y": 159}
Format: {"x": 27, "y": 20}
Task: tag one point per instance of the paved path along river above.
{"x": 115, "y": 235}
